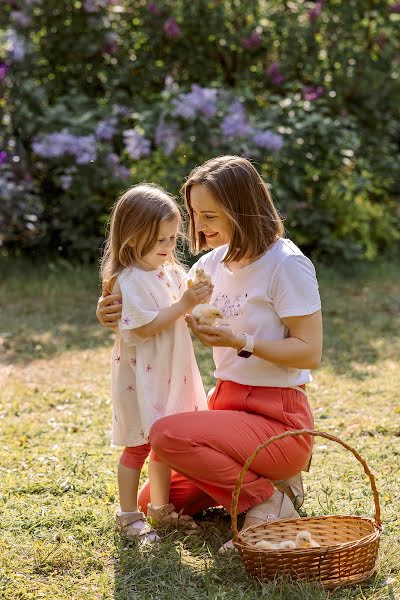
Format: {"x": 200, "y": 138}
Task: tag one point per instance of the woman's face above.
{"x": 209, "y": 217}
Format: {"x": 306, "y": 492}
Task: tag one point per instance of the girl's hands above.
{"x": 198, "y": 294}
{"x": 215, "y": 336}
{"x": 109, "y": 309}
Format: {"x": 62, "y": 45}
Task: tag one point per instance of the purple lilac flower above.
{"x": 394, "y": 8}
{"x": 15, "y": 46}
{"x": 3, "y": 157}
{"x": 252, "y": 41}
{"x": 274, "y": 73}
{"x": 66, "y": 181}
{"x": 169, "y": 83}
{"x": 268, "y": 140}
{"x": 21, "y": 19}
{"x": 56, "y": 144}
{"x": 116, "y": 168}
{"x": 172, "y": 29}
{"x": 314, "y": 13}
{"x": 122, "y": 172}
{"x": 312, "y": 92}
{"x": 105, "y": 130}
{"x": 153, "y": 9}
{"x": 136, "y": 144}
{"x": 168, "y": 135}
{"x": 110, "y": 45}
{"x": 199, "y": 100}
{"x": 119, "y": 109}
{"x": 52, "y": 145}
{"x": 235, "y": 123}
{"x": 3, "y": 71}
{"x": 85, "y": 149}
{"x": 90, "y": 6}
{"x": 381, "y": 39}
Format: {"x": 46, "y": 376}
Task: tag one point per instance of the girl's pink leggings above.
{"x": 207, "y": 449}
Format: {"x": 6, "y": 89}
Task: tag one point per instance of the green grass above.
{"x": 57, "y": 470}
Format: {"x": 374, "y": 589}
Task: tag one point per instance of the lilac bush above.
{"x": 98, "y": 94}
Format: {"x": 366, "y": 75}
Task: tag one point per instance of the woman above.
{"x": 263, "y": 351}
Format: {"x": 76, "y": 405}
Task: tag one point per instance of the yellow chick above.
{"x": 287, "y": 545}
{"x": 264, "y": 545}
{"x": 304, "y": 540}
{"x": 200, "y": 276}
{"x": 206, "y": 314}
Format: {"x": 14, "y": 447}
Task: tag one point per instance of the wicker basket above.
{"x": 348, "y": 544}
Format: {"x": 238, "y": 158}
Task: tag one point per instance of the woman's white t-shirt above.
{"x": 254, "y": 299}
{"x": 157, "y": 376}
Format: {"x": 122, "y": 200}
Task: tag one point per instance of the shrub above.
{"x": 99, "y": 94}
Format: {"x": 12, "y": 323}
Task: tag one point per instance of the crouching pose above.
{"x": 269, "y": 338}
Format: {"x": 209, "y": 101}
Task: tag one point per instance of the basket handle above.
{"x": 328, "y": 436}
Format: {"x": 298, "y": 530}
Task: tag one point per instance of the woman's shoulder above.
{"x": 284, "y": 247}
{"x": 289, "y": 260}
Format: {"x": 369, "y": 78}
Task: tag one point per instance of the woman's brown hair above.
{"x": 243, "y": 195}
{"x": 135, "y": 217}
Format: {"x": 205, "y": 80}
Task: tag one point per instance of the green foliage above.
{"x": 95, "y": 96}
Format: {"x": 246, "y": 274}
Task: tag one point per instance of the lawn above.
{"x": 57, "y": 469}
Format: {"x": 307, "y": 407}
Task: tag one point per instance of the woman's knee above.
{"x": 170, "y": 434}
{"x": 159, "y": 434}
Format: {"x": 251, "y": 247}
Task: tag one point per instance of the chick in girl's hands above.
{"x": 206, "y": 314}
{"x": 200, "y": 276}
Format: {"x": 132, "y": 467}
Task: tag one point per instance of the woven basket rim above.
{"x": 366, "y": 539}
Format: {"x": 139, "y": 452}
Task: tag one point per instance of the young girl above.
{"x": 154, "y": 370}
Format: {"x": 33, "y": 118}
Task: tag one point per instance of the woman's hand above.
{"x": 109, "y": 310}
{"x": 215, "y": 336}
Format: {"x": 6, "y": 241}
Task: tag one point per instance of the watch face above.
{"x": 244, "y": 353}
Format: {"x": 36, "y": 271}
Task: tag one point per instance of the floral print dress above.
{"x": 154, "y": 377}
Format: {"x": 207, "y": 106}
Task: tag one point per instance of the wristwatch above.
{"x": 248, "y": 348}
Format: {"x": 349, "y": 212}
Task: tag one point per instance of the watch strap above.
{"x": 248, "y": 348}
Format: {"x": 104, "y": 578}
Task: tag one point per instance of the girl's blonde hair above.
{"x": 135, "y": 217}
{"x": 245, "y": 198}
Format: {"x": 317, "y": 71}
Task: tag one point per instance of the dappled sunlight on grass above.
{"x": 57, "y": 468}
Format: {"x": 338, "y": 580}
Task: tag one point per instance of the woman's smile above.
{"x": 207, "y": 212}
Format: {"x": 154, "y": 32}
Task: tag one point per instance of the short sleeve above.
{"x": 295, "y": 288}
{"x": 138, "y": 306}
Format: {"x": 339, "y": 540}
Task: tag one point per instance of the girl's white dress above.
{"x": 157, "y": 376}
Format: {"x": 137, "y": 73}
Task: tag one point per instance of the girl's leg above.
{"x": 184, "y": 495}
{"x": 160, "y": 509}
{"x": 129, "y": 519}
{"x": 128, "y": 483}
{"x": 160, "y": 483}
{"x": 129, "y": 467}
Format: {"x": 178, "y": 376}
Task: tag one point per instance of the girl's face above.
{"x": 165, "y": 245}
{"x": 209, "y": 217}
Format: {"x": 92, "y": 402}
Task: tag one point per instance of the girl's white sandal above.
{"x": 134, "y": 526}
